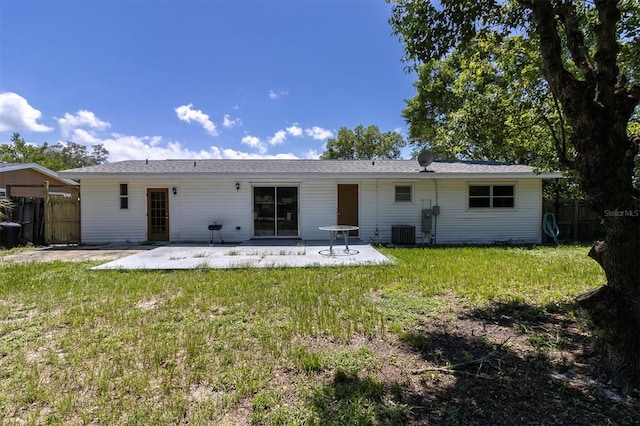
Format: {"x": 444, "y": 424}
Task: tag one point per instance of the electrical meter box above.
{"x": 426, "y": 220}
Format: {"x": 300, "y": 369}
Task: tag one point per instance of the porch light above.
{"x": 175, "y": 191}
{"x": 237, "y": 186}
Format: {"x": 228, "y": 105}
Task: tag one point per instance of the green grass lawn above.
{"x": 260, "y": 346}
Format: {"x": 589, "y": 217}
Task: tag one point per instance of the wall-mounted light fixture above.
{"x": 175, "y": 191}
{"x": 237, "y": 186}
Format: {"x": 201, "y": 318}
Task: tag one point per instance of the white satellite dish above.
{"x": 425, "y": 158}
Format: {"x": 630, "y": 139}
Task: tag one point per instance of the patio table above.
{"x": 336, "y": 231}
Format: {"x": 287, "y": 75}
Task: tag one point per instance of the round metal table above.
{"x": 336, "y": 231}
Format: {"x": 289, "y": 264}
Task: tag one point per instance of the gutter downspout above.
{"x": 376, "y": 235}
{"x": 435, "y": 216}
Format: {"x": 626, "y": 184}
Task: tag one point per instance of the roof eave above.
{"x": 300, "y": 175}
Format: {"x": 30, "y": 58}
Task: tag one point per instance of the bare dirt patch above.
{"x": 509, "y": 364}
{"x": 148, "y": 304}
{"x": 72, "y": 253}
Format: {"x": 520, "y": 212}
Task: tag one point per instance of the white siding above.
{"x": 203, "y": 201}
{"x": 318, "y": 207}
{"x": 457, "y": 224}
{"x": 101, "y": 218}
{"x": 200, "y": 201}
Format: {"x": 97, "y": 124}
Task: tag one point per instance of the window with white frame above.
{"x": 492, "y": 196}
{"x": 124, "y": 195}
{"x": 403, "y": 194}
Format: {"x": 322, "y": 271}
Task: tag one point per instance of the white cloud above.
{"x": 83, "y": 128}
{"x": 228, "y": 122}
{"x": 188, "y": 114}
{"x": 294, "y": 130}
{"x": 312, "y": 154}
{"x": 82, "y": 118}
{"x": 273, "y": 95}
{"x": 126, "y": 147}
{"x": 255, "y": 143}
{"x": 318, "y": 133}
{"x": 17, "y": 115}
{"x": 279, "y": 137}
{"x": 239, "y": 155}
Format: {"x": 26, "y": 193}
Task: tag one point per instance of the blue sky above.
{"x": 163, "y": 79}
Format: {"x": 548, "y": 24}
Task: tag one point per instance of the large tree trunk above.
{"x": 598, "y": 107}
{"x": 605, "y": 162}
{"x": 606, "y": 177}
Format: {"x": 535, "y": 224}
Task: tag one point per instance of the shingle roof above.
{"x": 381, "y": 168}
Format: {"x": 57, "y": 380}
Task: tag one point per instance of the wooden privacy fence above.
{"x": 48, "y": 220}
{"x": 29, "y": 213}
{"x": 62, "y": 220}
{"x": 576, "y": 221}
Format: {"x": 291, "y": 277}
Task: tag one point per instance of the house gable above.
{"x": 27, "y": 180}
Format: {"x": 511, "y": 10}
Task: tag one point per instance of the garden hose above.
{"x": 550, "y": 226}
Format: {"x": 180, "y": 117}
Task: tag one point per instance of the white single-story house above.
{"x": 391, "y": 201}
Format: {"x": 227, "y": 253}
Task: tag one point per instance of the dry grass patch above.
{"x": 437, "y": 338}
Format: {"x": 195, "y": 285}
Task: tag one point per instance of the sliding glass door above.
{"x": 275, "y": 211}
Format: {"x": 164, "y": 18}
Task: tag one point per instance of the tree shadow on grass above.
{"x": 508, "y": 364}
{"x": 351, "y": 400}
{"x": 511, "y": 363}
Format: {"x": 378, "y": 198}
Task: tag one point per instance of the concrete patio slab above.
{"x": 273, "y": 254}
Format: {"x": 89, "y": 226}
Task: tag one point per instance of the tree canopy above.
{"x": 363, "y": 144}
{"x": 488, "y": 99}
{"x": 489, "y": 102}
{"x": 19, "y": 151}
{"x": 565, "y": 81}
{"x": 60, "y": 156}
